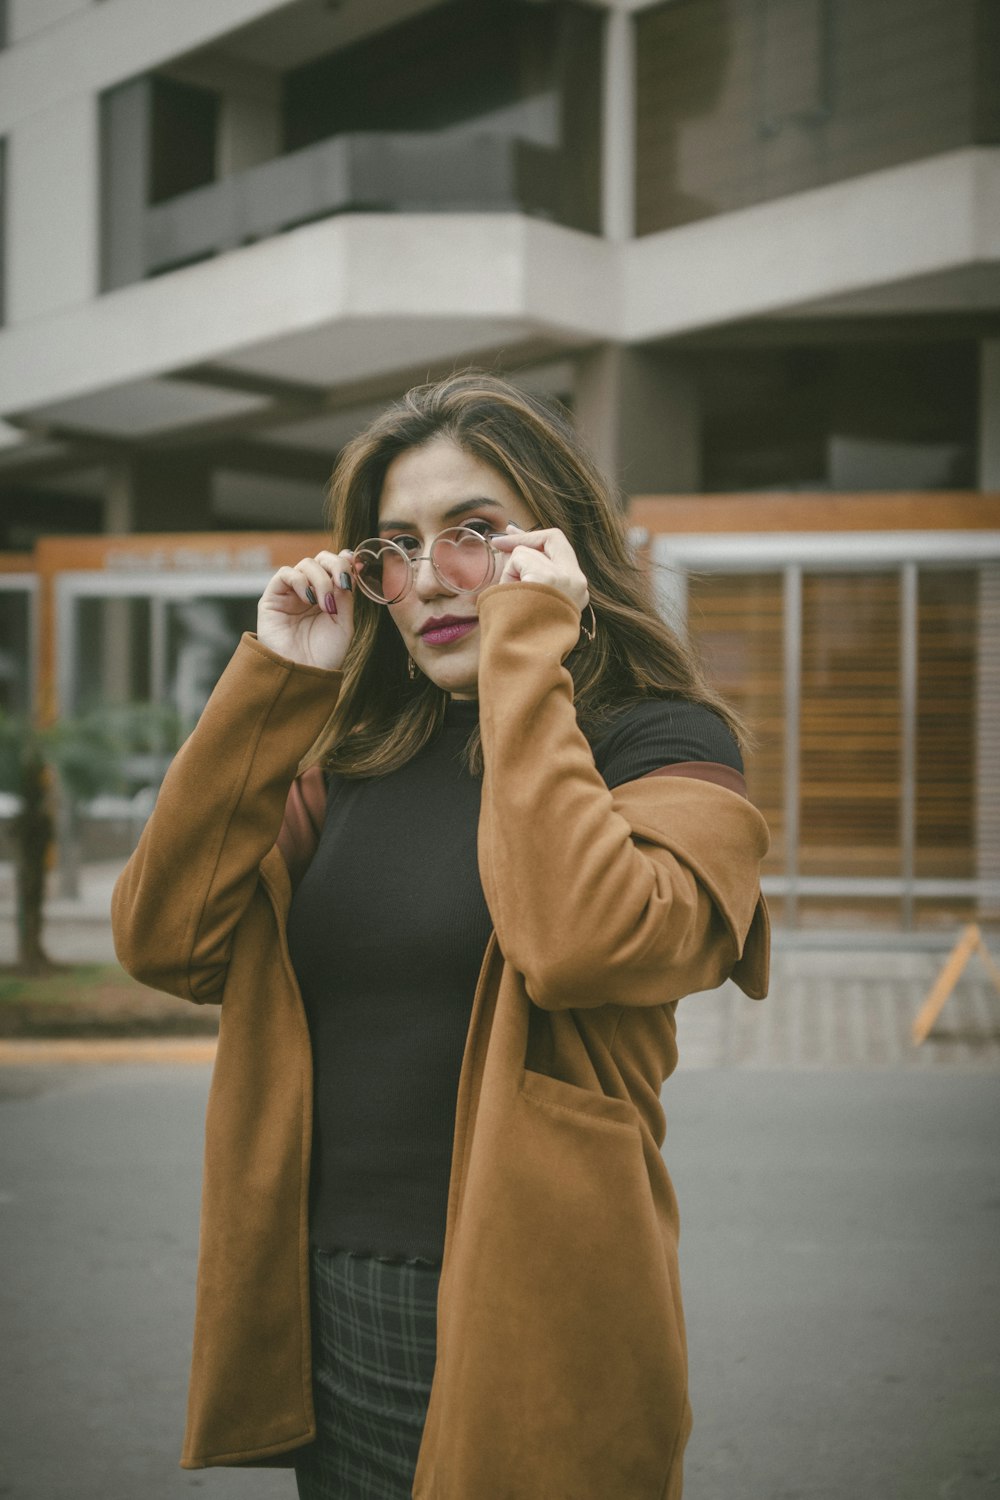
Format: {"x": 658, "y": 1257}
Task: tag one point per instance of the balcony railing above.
{"x": 387, "y": 173}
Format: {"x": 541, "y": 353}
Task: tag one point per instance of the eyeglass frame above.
{"x": 385, "y": 541}
{"x": 588, "y": 631}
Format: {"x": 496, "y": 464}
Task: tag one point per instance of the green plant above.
{"x": 84, "y": 756}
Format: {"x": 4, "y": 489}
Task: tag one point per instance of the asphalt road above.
{"x": 840, "y": 1260}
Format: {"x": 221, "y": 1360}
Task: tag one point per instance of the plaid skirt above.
{"x": 374, "y": 1339}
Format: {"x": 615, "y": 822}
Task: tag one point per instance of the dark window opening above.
{"x": 183, "y": 124}
{"x": 457, "y": 63}
{"x": 854, "y": 417}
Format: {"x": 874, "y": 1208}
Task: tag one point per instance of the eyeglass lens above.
{"x": 462, "y": 560}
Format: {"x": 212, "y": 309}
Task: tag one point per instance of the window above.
{"x": 742, "y": 101}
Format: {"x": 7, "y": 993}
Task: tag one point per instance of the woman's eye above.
{"x": 484, "y": 528}
{"x": 409, "y": 544}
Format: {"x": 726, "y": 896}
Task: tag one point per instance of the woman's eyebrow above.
{"x": 449, "y": 514}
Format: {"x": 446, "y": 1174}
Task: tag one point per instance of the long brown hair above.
{"x": 381, "y": 718}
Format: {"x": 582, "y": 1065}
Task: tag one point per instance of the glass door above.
{"x": 148, "y": 637}
{"x": 138, "y": 638}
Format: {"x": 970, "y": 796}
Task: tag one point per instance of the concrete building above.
{"x": 753, "y": 244}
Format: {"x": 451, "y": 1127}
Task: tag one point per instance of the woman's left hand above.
{"x": 543, "y": 557}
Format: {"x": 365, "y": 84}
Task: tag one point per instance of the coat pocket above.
{"x": 562, "y": 1369}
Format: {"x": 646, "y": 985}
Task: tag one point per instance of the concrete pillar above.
{"x": 618, "y": 114}
{"x": 989, "y": 416}
{"x": 595, "y": 405}
{"x": 119, "y": 499}
{"x": 53, "y": 210}
{"x": 126, "y": 128}
{"x": 638, "y": 413}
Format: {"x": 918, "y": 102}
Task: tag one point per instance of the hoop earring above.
{"x": 590, "y": 632}
{"x": 411, "y": 669}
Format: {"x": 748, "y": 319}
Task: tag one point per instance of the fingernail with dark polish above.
{"x": 345, "y": 580}
{"x": 330, "y": 604}
{"x": 310, "y": 596}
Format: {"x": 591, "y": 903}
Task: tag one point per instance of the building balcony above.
{"x": 375, "y": 172}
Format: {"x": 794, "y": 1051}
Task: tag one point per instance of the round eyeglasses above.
{"x": 462, "y": 560}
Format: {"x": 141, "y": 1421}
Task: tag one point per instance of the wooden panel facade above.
{"x": 872, "y": 689}
{"x": 947, "y": 707}
{"x": 737, "y": 622}
{"x": 850, "y": 730}
{"x": 850, "y": 725}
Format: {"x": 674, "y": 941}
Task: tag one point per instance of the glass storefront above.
{"x": 135, "y": 639}
{"x": 149, "y": 639}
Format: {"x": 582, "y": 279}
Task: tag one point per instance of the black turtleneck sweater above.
{"x": 387, "y": 931}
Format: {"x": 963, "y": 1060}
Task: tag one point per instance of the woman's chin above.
{"x": 455, "y": 673}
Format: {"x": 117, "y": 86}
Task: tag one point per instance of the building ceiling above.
{"x": 967, "y": 289}
{"x": 306, "y": 29}
{"x": 145, "y": 408}
{"x": 363, "y": 348}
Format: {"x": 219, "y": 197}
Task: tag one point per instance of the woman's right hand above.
{"x": 314, "y": 632}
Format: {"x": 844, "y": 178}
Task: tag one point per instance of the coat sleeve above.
{"x": 219, "y": 811}
{"x": 635, "y": 896}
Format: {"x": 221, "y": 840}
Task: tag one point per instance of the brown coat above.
{"x": 561, "y": 1365}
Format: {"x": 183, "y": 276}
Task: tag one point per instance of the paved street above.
{"x": 839, "y": 1257}
{"x": 840, "y": 1198}
{"x": 99, "y": 1173}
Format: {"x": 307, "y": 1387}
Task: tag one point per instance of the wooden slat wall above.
{"x": 735, "y": 620}
{"x": 850, "y": 730}
{"x": 946, "y": 723}
{"x": 864, "y": 84}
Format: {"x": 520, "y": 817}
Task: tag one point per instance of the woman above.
{"x": 454, "y": 834}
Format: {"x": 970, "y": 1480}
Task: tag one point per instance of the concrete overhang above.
{"x": 330, "y": 304}
{"x": 932, "y": 225}
{"x": 339, "y": 305}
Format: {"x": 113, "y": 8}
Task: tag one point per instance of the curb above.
{"x": 18, "y": 1053}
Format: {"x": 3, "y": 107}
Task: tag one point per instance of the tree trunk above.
{"x": 32, "y": 831}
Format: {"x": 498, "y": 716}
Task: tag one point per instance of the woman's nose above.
{"x": 425, "y": 580}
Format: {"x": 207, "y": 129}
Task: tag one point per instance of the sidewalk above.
{"x": 838, "y": 1007}
{"x": 837, "y": 1000}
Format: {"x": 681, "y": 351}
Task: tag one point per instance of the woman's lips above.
{"x": 443, "y": 635}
